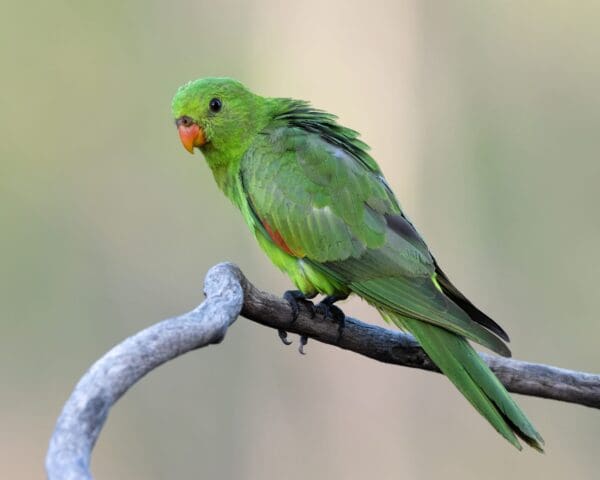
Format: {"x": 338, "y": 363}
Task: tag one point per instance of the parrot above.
{"x": 322, "y": 211}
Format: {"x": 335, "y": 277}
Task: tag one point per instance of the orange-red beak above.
{"x": 191, "y": 135}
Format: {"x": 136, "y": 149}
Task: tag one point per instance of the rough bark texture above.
{"x": 83, "y": 415}
{"x": 229, "y": 293}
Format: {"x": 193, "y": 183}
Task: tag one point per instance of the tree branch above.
{"x": 228, "y": 293}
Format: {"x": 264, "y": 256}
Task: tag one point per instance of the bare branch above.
{"x": 83, "y": 415}
{"x": 399, "y": 348}
{"x": 228, "y": 293}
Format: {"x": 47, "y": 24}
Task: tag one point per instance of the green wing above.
{"x": 308, "y": 190}
{"x": 311, "y": 182}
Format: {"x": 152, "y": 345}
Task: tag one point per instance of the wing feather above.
{"x": 332, "y": 208}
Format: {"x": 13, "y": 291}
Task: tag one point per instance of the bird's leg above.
{"x": 294, "y": 298}
{"x": 329, "y": 311}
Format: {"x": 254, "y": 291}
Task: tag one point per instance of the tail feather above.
{"x": 463, "y": 302}
{"x": 470, "y": 374}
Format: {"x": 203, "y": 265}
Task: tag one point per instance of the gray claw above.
{"x": 283, "y": 336}
{"x": 303, "y": 341}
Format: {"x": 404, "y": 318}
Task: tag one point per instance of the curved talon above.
{"x": 294, "y": 298}
{"x": 303, "y": 341}
{"x": 333, "y": 313}
{"x": 283, "y": 336}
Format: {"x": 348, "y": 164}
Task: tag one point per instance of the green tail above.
{"x": 464, "y": 367}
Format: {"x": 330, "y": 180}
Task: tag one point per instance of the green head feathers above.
{"x": 225, "y": 111}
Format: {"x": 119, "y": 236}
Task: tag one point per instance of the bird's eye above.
{"x": 215, "y": 105}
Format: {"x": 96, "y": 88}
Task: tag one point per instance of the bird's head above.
{"x": 216, "y": 115}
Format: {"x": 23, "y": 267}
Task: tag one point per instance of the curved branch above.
{"x": 228, "y": 293}
{"x": 83, "y": 415}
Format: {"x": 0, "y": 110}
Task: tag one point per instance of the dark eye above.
{"x": 215, "y": 105}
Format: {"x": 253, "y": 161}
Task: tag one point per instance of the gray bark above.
{"x": 229, "y": 293}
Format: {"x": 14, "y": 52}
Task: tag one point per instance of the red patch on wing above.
{"x": 278, "y": 239}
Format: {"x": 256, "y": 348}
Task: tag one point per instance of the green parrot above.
{"x": 321, "y": 209}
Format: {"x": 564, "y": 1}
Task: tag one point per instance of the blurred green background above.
{"x": 485, "y": 117}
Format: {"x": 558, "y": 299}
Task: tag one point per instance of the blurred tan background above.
{"x": 485, "y": 117}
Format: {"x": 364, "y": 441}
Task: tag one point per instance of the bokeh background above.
{"x": 485, "y": 117}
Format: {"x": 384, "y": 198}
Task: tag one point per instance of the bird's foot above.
{"x": 295, "y": 298}
{"x": 333, "y": 313}
{"x": 283, "y": 336}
